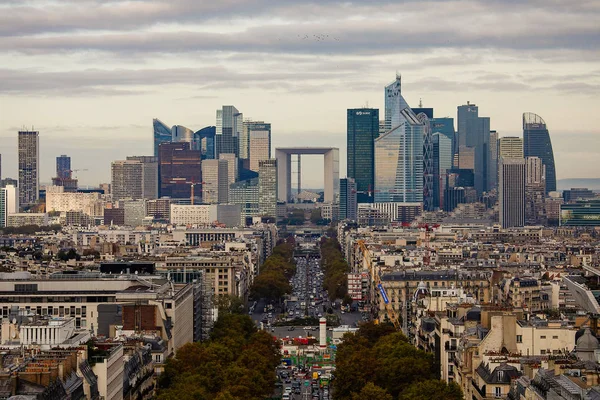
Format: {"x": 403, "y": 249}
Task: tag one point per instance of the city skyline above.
{"x": 91, "y": 85}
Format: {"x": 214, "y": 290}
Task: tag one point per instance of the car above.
{"x": 291, "y": 328}
{"x": 286, "y": 396}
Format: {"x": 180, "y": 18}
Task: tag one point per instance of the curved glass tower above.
{"x": 162, "y": 134}
{"x": 536, "y": 143}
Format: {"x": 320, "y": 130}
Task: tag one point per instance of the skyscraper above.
{"x": 9, "y": 203}
{"x": 510, "y": 147}
{"x": 229, "y": 125}
{"x": 232, "y": 166}
{"x": 149, "y": 175}
{"x": 492, "y": 161}
{"x": 465, "y": 113}
{"x": 215, "y": 178}
{"x": 394, "y": 103}
{"x": 29, "y": 161}
{"x": 442, "y": 163}
{"x": 126, "y": 179}
{"x": 267, "y": 188}
{"x": 348, "y": 200}
{"x": 179, "y": 169}
{"x": 205, "y": 138}
{"x": 445, "y": 126}
{"x": 537, "y": 143}
{"x": 63, "y": 167}
{"x": 427, "y": 161}
{"x": 180, "y": 133}
{"x": 362, "y": 130}
{"x": 511, "y": 192}
{"x": 535, "y": 191}
{"x": 399, "y": 161}
{"x": 162, "y": 134}
{"x": 259, "y": 142}
{"x": 478, "y": 137}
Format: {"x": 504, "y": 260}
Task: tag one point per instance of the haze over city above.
{"x": 91, "y": 75}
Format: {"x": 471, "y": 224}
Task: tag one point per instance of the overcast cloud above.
{"x": 91, "y": 74}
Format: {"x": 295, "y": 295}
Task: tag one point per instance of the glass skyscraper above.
{"x": 442, "y": 163}
{"x": 63, "y": 167}
{"x": 427, "y": 161}
{"x": 206, "y": 142}
{"x": 536, "y": 143}
{"x": 445, "y": 126}
{"x": 162, "y": 134}
{"x": 362, "y": 130}
{"x": 399, "y": 160}
{"x": 394, "y": 102}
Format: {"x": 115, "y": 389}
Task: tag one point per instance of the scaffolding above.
{"x": 203, "y": 308}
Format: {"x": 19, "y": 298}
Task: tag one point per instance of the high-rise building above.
{"x": 229, "y": 126}
{"x": 575, "y": 194}
{"x": 535, "y": 191}
{"x": 362, "y": 130}
{"x": 162, "y": 134}
{"x": 427, "y": 160}
{"x": 63, "y": 167}
{"x": 399, "y": 162}
{"x": 492, "y": 161}
{"x": 29, "y": 161}
{"x": 348, "y": 200}
{"x": 245, "y": 193}
{"x": 205, "y": 138}
{"x": 159, "y": 209}
{"x": 259, "y": 142}
{"x": 537, "y": 143}
{"x": 149, "y": 175}
{"x": 215, "y": 178}
{"x": 180, "y": 133}
{"x": 445, "y": 126}
{"x": 466, "y": 113}
{"x": 394, "y": 103}
{"x": 179, "y": 169}
{"x": 510, "y": 147}
{"x": 511, "y": 192}
{"x": 9, "y": 203}
{"x": 267, "y": 188}
{"x": 466, "y": 158}
{"x": 127, "y": 179}
{"x": 442, "y": 163}
{"x": 478, "y": 138}
{"x": 232, "y": 166}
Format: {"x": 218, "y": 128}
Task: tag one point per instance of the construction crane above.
{"x": 392, "y": 315}
{"x": 77, "y": 170}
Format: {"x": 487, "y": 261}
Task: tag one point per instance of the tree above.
{"x": 270, "y": 285}
{"x": 370, "y": 391}
{"x": 432, "y": 389}
{"x": 227, "y": 303}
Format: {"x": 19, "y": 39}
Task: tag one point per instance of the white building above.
{"x": 206, "y": 214}
{"x": 59, "y": 200}
{"x": 260, "y": 142}
{"x": 232, "y": 167}
{"x": 215, "y": 186}
{"x": 23, "y": 219}
{"x": 9, "y": 203}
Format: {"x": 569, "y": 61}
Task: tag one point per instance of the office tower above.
{"x": 399, "y": 162}
{"x": 394, "y": 103}
{"x": 466, "y": 113}
{"x": 492, "y": 161}
{"x": 134, "y": 211}
{"x": 537, "y": 143}
{"x": 348, "y": 200}
{"x": 63, "y": 167}
{"x": 114, "y": 216}
{"x": 510, "y": 147}
{"x": 29, "y": 161}
{"x": 445, "y": 126}
{"x": 159, "y": 209}
{"x": 259, "y": 142}
{"x": 182, "y": 134}
{"x": 535, "y": 191}
{"x": 511, "y": 192}
{"x": 245, "y": 193}
{"x": 466, "y": 158}
{"x": 453, "y": 196}
{"x": 205, "y": 138}
{"x": 442, "y": 163}
{"x": 179, "y": 169}
{"x": 427, "y": 161}
{"x": 162, "y": 134}
{"x": 229, "y": 125}
{"x": 478, "y": 138}
{"x": 215, "y": 181}
{"x": 362, "y": 130}
{"x": 232, "y": 165}
{"x": 424, "y": 110}
{"x": 126, "y": 179}
{"x": 9, "y": 203}
{"x": 267, "y": 188}
{"x": 149, "y": 175}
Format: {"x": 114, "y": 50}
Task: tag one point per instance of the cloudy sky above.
{"x": 91, "y": 74}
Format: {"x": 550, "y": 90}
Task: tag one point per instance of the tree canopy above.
{"x": 336, "y": 269}
{"x": 397, "y": 370}
{"x": 236, "y": 363}
{"x": 272, "y": 281}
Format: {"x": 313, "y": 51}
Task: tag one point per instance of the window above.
{"x": 543, "y": 337}
{"x": 519, "y": 338}
{"x": 498, "y": 391}
{"x": 542, "y": 352}
{"x": 554, "y": 337}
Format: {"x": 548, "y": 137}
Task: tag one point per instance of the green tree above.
{"x": 270, "y": 285}
{"x": 227, "y": 303}
{"x": 371, "y": 391}
{"x": 432, "y": 389}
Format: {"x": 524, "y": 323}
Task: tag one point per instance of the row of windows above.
{"x": 520, "y": 338}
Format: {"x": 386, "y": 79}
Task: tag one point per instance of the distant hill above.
{"x": 590, "y": 183}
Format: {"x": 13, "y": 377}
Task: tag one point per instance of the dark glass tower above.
{"x": 536, "y": 143}
{"x": 206, "y": 140}
{"x": 362, "y": 130}
{"x": 63, "y": 167}
{"x": 162, "y": 134}
{"x": 179, "y": 169}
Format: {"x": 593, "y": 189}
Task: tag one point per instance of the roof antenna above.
{"x": 420, "y": 103}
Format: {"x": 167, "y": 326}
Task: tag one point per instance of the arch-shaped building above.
{"x": 537, "y": 143}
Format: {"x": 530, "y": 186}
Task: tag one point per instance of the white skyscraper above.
{"x": 511, "y": 192}
{"x": 9, "y": 203}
